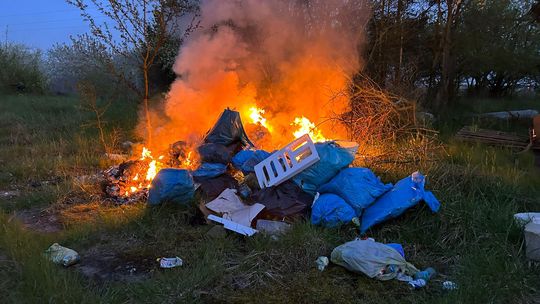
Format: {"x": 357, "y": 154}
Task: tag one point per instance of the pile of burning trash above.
{"x": 248, "y": 189}
{"x": 251, "y": 191}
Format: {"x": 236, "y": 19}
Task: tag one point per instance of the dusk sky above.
{"x": 39, "y": 23}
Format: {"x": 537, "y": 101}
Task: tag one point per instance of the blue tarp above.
{"x": 330, "y": 210}
{"x": 333, "y": 158}
{"x": 359, "y": 187}
{"x": 405, "y": 194}
{"x": 171, "y": 185}
{"x": 246, "y": 160}
{"x": 209, "y": 170}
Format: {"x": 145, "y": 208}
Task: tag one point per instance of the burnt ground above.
{"x": 102, "y": 263}
{"x": 39, "y": 220}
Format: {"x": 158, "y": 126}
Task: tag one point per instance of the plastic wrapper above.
{"x": 62, "y": 255}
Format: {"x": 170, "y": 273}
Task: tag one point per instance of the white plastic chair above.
{"x": 287, "y": 162}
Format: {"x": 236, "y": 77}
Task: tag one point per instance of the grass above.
{"x": 471, "y": 241}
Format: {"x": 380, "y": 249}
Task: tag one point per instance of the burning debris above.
{"x": 130, "y": 180}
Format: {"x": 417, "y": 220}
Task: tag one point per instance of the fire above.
{"x": 256, "y": 116}
{"x": 188, "y": 162}
{"x": 154, "y": 165}
{"x": 305, "y": 126}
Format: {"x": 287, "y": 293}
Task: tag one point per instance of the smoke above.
{"x": 289, "y": 57}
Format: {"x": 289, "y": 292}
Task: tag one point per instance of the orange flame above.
{"x": 136, "y": 184}
{"x": 305, "y": 126}
{"x": 256, "y": 116}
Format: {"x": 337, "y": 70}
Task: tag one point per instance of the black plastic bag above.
{"x": 284, "y": 200}
{"x": 228, "y": 130}
{"x": 216, "y": 153}
{"x": 212, "y": 187}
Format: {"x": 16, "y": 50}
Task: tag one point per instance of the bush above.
{"x": 21, "y": 70}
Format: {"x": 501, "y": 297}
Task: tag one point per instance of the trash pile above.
{"x": 250, "y": 191}
{"x": 244, "y": 188}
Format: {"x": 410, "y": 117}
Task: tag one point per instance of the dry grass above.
{"x": 387, "y": 128}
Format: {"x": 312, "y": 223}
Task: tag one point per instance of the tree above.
{"x": 497, "y": 47}
{"x": 137, "y": 30}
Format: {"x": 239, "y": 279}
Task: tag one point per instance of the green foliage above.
{"x": 21, "y": 70}
{"x": 497, "y": 46}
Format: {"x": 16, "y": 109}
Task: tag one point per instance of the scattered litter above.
{"x": 334, "y": 156}
{"x": 228, "y": 130}
{"x": 405, "y": 194}
{"x": 230, "y": 225}
{"x": 287, "y": 162}
{"x": 246, "y": 160}
{"x": 209, "y": 170}
{"x": 372, "y": 259}
{"x": 171, "y": 185}
{"x": 523, "y": 219}
{"x": 272, "y": 227}
{"x": 330, "y": 210}
{"x": 449, "y": 285}
{"x": 62, "y": 255}
{"x": 285, "y": 200}
{"x": 359, "y": 187}
{"x": 532, "y": 241}
{"x": 226, "y": 202}
{"x": 397, "y": 247}
{"x": 425, "y": 274}
{"x": 322, "y": 262}
{"x": 416, "y": 284}
{"x": 170, "y": 262}
{"x": 403, "y": 278}
{"x": 244, "y": 215}
{"x": 232, "y": 208}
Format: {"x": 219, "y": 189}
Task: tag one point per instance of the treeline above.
{"x": 436, "y": 50}
{"x": 429, "y": 50}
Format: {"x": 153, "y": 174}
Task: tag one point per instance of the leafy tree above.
{"x": 143, "y": 27}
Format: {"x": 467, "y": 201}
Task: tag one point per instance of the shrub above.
{"x": 21, "y": 70}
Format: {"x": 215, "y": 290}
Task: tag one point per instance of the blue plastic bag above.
{"x": 359, "y": 187}
{"x": 171, "y": 185}
{"x": 405, "y": 194}
{"x": 330, "y": 210}
{"x": 209, "y": 170}
{"x": 333, "y": 157}
{"x": 397, "y": 247}
{"x": 246, "y": 160}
